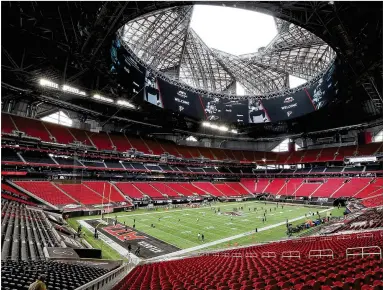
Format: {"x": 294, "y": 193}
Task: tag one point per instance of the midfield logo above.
{"x": 123, "y": 234}
{"x": 180, "y": 108}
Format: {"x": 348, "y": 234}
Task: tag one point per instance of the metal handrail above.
{"x": 269, "y": 255}
{"x": 236, "y": 255}
{"x": 365, "y": 235}
{"x": 291, "y": 254}
{"x": 101, "y": 282}
{"x": 251, "y": 255}
{"x": 343, "y": 237}
{"x": 330, "y": 252}
{"x": 363, "y": 253}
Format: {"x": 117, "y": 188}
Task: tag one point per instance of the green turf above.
{"x": 276, "y": 233}
{"x": 180, "y": 227}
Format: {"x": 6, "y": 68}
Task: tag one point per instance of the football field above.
{"x": 180, "y": 226}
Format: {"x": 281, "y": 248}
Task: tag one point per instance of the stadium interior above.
{"x": 130, "y": 160}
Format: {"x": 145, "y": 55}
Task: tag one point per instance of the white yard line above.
{"x": 196, "y": 248}
{"x": 199, "y": 208}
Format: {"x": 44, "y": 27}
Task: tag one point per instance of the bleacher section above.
{"x": 105, "y": 141}
{"x": 165, "y": 189}
{"x": 121, "y": 142}
{"x": 369, "y": 219}
{"x": 208, "y": 188}
{"x": 105, "y": 189}
{"x": 149, "y": 190}
{"x": 255, "y": 185}
{"x": 46, "y": 191}
{"x": 7, "y": 125}
{"x": 237, "y": 186}
{"x": 26, "y": 233}
{"x": 91, "y": 192}
{"x": 129, "y": 189}
{"x": 372, "y": 189}
{"x": 374, "y": 201}
{"x": 13, "y": 194}
{"x": 226, "y": 189}
{"x": 265, "y": 267}
{"x": 61, "y": 133}
{"x": 328, "y": 187}
{"x": 351, "y": 186}
{"x": 180, "y": 188}
{"x": 32, "y": 127}
{"x": 101, "y": 141}
{"x": 82, "y": 194}
{"x": 307, "y": 188}
{"x": 276, "y": 186}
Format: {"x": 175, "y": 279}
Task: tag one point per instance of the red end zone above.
{"x": 150, "y": 247}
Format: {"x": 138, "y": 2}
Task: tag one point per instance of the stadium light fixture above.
{"x": 205, "y": 124}
{"x": 223, "y": 128}
{"x": 49, "y": 84}
{"x": 125, "y": 104}
{"x": 234, "y": 131}
{"x": 214, "y": 126}
{"x": 101, "y": 98}
{"x": 72, "y": 90}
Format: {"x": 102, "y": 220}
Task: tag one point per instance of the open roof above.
{"x": 166, "y": 41}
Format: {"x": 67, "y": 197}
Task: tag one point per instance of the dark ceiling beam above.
{"x": 110, "y": 29}
{"x": 10, "y": 58}
{"x": 77, "y": 75}
{"x": 62, "y": 24}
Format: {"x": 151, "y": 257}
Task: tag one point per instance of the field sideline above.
{"x": 180, "y": 227}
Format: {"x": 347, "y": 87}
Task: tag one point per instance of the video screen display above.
{"x": 324, "y": 90}
{"x": 173, "y": 98}
{"x": 130, "y": 74}
{"x": 138, "y": 81}
{"x": 288, "y": 107}
{"x": 151, "y": 92}
{"x": 256, "y": 112}
{"x": 217, "y": 109}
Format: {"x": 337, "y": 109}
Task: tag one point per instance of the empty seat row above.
{"x": 248, "y": 268}
{"x": 105, "y": 141}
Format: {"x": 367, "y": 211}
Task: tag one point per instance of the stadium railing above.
{"x": 291, "y": 254}
{"x": 321, "y": 253}
{"x": 268, "y": 255}
{"x": 109, "y": 280}
{"x": 364, "y": 251}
